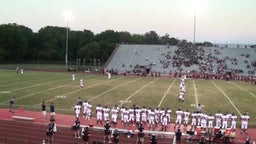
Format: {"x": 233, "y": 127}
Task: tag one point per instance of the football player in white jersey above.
{"x": 85, "y": 103}
{"x": 151, "y": 120}
{"x": 99, "y": 111}
{"x": 233, "y": 121}
{"x": 88, "y": 111}
{"x": 126, "y": 117}
{"x": 244, "y": 122}
{"x": 81, "y": 83}
{"x": 210, "y": 122}
{"x": 77, "y": 110}
{"x": 144, "y": 115}
{"x": 218, "y": 116}
{"x": 186, "y": 118}
{"x": 164, "y": 122}
{"x": 131, "y": 115}
{"x": 106, "y": 111}
{"x": 193, "y": 121}
{"x": 114, "y": 114}
{"x": 225, "y": 121}
{"x": 178, "y": 117}
{"x": 137, "y": 115}
{"x": 73, "y": 77}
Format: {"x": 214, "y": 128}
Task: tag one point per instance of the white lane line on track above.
{"x": 227, "y": 98}
{"x": 166, "y": 92}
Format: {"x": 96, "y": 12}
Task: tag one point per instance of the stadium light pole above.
{"x": 194, "y": 37}
{"x": 67, "y": 17}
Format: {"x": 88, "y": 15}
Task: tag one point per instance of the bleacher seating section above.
{"x": 126, "y": 57}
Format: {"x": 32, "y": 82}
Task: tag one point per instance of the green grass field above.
{"x": 34, "y": 87}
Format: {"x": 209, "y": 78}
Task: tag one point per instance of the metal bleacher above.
{"x": 127, "y": 56}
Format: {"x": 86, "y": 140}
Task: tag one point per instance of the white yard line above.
{"x": 227, "y": 98}
{"x": 38, "y": 92}
{"x": 112, "y": 89}
{"x": 163, "y": 97}
{"x": 40, "y": 84}
{"x": 25, "y": 81}
{"x": 195, "y": 92}
{"x": 80, "y": 89}
{"x": 135, "y": 93}
{"x": 243, "y": 89}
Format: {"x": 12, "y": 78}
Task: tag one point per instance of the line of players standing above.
{"x": 160, "y": 116}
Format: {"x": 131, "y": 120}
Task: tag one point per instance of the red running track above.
{"x": 16, "y": 132}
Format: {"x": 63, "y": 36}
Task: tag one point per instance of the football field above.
{"x": 33, "y": 87}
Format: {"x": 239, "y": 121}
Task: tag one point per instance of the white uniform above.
{"x": 181, "y": 95}
{"x": 131, "y": 115}
{"x": 77, "y": 110}
{"x": 73, "y": 77}
{"x": 210, "y": 121}
{"x": 81, "y": 83}
{"x": 193, "y": 121}
{"x": 233, "y": 121}
{"x": 99, "y": 112}
{"x": 21, "y": 71}
{"x": 85, "y": 107}
{"x": 179, "y": 116}
{"x": 88, "y": 111}
{"x": 109, "y": 75}
{"x": 164, "y": 120}
{"x": 157, "y": 115}
{"x": 218, "y": 119}
{"x": 114, "y": 113}
{"x": 106, "y": 114}
{"x": 224, "y": 121}
{"x": 245, "y": 120}
{"x": 203, "y": 120}
{"x": 144, "y": 115}
{"x": 151, "y": 117}
{"x": 186, "y": 117}
{"x": 126, "y": 117}
{"x": 137, "y": 113}
{"x": 168, "y": 114}
{"x": 122, "y": 113}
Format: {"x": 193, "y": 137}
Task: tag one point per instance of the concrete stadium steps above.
{"x": 12, "y": 132}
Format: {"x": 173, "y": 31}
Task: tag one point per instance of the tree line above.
{"x": 19, "y": 43}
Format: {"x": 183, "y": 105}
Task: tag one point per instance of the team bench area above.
{"x": 25, "y": 119}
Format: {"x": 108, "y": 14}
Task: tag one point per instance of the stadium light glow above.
{"x": 195, "y": 8}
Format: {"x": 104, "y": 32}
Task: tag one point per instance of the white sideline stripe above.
{"x": 24, "y": 81}
{"x": 23, "y": 118}
{"x": 135, "y": 93}
{"x": 125, "y": 130}
{"x": 227, "y": 98}
{"x": 112, "y": 89}
{"x": 73, "y": 92}
{"x": 243, "y": 89}
{"x": 36, "y": 85}
{"x": 38, "y": 92}
{"x": 27, "y": 106}
{"x": 163, "y": 97}
{"x": 195, "y": 92}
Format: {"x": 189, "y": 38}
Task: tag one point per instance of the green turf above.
{"x": 34, "y": 87}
